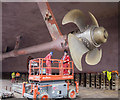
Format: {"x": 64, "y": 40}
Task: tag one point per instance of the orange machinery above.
{"x": 37, "y": 70}
{"x": 43, "y": 85}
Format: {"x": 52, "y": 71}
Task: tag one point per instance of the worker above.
{"x": 66, "y": 60}
{"x": 17, "y": 76}
{"x": 23, "y": 77}
{"x": 48, "y": 63}
{"x": 13, "y": 77}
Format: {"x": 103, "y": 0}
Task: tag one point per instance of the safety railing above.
{"x": 42, "y": 67}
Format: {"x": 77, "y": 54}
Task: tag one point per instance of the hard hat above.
{"x": 51, "y": 53}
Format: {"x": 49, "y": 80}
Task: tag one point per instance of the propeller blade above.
{"x": 94, "y": 20}
{"x": 93, "y": 57}
{"x": 77, "y": 17}
{"x": 77, "y": 50}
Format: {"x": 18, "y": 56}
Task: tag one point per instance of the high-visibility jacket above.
{"x": 13, "y": 75}
{"x": 66, "y": 58}
{"x": 48, "y": 62}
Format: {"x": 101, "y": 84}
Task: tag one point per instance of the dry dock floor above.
{"x": 83, "y": 93}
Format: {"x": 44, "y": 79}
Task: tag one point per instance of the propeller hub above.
{"x": 100, "y": 35}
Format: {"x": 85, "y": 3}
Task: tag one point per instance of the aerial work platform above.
{"x": 47, "y": 79}
{"x": 38, "y": 67}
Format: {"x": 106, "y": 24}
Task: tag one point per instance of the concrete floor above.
{"x": 84, "y": 92}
